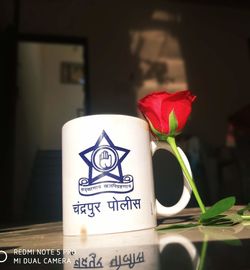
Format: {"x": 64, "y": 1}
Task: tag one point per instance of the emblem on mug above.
{"x": 104, "y": 161}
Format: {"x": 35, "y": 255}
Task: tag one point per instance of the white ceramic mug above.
{"x": 108, "y": 177}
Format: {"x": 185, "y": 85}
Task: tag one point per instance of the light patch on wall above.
{"x": 160, "y": 61}
{"x": 161, "y": 15}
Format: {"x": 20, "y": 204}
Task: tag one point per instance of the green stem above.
{"x": 245, "y": 217}
{"x": 171, "y": 141}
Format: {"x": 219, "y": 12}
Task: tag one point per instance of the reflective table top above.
{"x": 43, "y": 246}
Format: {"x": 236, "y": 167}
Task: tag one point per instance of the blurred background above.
{"x": 64, "y": 59}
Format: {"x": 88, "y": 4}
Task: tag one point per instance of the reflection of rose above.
{"x": 167, "y": 113}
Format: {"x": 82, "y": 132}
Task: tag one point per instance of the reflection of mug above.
{"x": 137, "y": 250}
{"x": 107, "y": 176}
{"x": 177, "y": 252}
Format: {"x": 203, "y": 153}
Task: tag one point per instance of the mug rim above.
{"x": 104, "y": 115}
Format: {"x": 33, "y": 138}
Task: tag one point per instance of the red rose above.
{"x": 167, "y": 113}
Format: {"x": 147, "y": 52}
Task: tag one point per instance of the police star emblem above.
{"x": 104, "y": 161}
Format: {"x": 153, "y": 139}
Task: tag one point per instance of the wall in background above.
{"x": 213, "y": 44}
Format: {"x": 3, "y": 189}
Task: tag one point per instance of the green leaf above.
{"x": 177, "y": 226}
{"x": 217, "y": 209}
{"x": 212, "y": 220}
{"x": 173, "y": 123}
{"x": 243, "y": 210}
{"x": 222, "y": 220}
